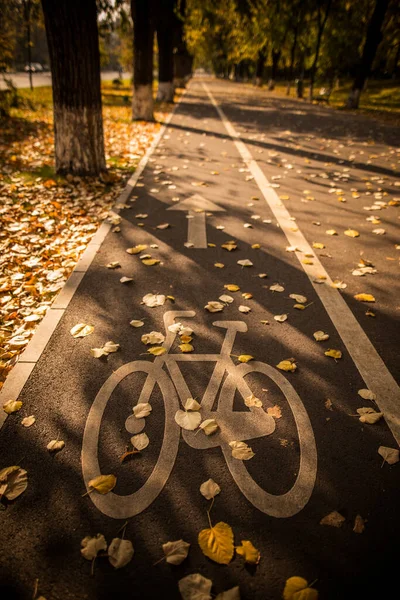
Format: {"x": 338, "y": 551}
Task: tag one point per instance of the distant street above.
{"x": 21, "y": 80}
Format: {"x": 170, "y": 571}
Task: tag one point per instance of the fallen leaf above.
{"x": 214, "y": 306}
{"x": 318, "y": 245}
{"x": 244, "y": 309}
{"x": 103, "y": 483}
{"x": 277, "y": 288}
{"x": 152, "y": 300}
{"x": 359, "y": 524}
{"x": 379, "y": 231}
{"x": 298, "y": 298}
{"x": 287, "y": 365}
{"x": 163, "y": 226}
{"x": 126, "y": 279}
{"x": 136, "y": 323}
{"x": 195, "y": 587}
{"x": 209, "y": 426}
{"x": 250, "y": 554}
{"x": 28, "y": 421}
{"x": 136, "y": 249}
{"x": 113, "y": 265}
{"x": 229, "y": 246}
{"x": 232, "y": 594}
{"x": 247, "y": 295}
{"x": 107, "y": 349}
{"x": 334, "y": 519}
{"x": 296, "y": 588}
{"x": 217, "y": 543}
{"x": 328, "y": 404}
{"x": 351, "y": 233}
{"x": 12, "y": 406}
{"x": 192, "y": 404}
{"x": 219, "y": 265}
{"x": 364, "y": 297}
{"x": 280, "y": 318}
{"x": 369, "y": 415}
{"x": 366, "y": 394}
{"x": 331, "y": 232}
{"x": 187, "y": 420}
{"x": 120, "y": 552}
{"x": 185, "y": 348}
{"x": 140, "y": 441}
{"x": 389, "y": 455}
{"x": 81, "y": 330}
{"x": 142, "y": 410}
{"x": 150, "y": 262}
{"x": 320, "y": 336}
{"x": 252, "y": 401}
{"x": 333, "y": 353}
{"x": 154, "y": 337}
{"x": 241, "y": 450}
{"x": 232, "y": 287}
{"x": 55, "y": 445}
{"x": 91, "y": 546}
{"x": 275, "y": 411}
{"x": 175, "y": 552}
{"x": 245, "y": 263}
{"x": 209, "y": 489}
{"x": 157, "y": 350}
{"x": 256, "y": 246}
{"x": 225, "y": 298}
{"x": 13, "y": 482}
{"x": 245, "y": 358}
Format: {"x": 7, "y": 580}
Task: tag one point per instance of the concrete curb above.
{"x": 19, "y": 375}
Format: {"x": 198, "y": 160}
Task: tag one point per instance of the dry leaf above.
{"x": 232, "y": 594}
{"x": 333, "y": 353}
{"x": 157, "y": 350}
{"x": 351, "y": 233}
{"x": 389, "y": 455}
{"x": 55, "y": 445}
{"x": 91, "y": 546}
{"x": 244, "y": 309}
{"x": 163, "y": 226}
{"x": 320, "y": 336}
{"x": 217, "y": 543}
{"x": 192, "y": 404}
{"x": 186, "y": 348}
{"x": 287, "y": 365}
{"x": 280, "y": 318}
{"x": 245, "y": 358}
{"x": 298, "y": 298}
{"x": 188, "y": 420}
{"x": 81, "y": 330}
{"x": 152, "y": 300}
{"x": 175, "y": 552}
{"x": 225, "y": 298}
{"x": 154, "y": 337}
{"x": 364, "y": 297}
{"x": 318, "y": 245}
{"x": 13, "y": 482}
{"x": 359, "y": 524}
{"x": 120, "y": 552}
{"x": 296, "y": 588}
{"x": 12, "y": 406}
{"x": 113, "y": 265}
{"x": 250, "y": 554}
{"x": 103, "y": 483}
{"x": 142, "y": 409}
{"x": 140, "y": 441}
{"x": 136, "y": 249}
{"x": 252, "y": 401}
{"x": 126, "y": 279}
{"x": 229, "y": 246}
{"x": 275, "y": 411}
{"x": 195, "y": 587}
{"x": 209, "y": 489}
{"x": 232, "y": 287}
{"x": 150, "y": 262}
{"x": 331, "y": 232}
{"x": 277, "y": 288}
{"x": 245, "y": 263}
{"x": 209, "y": 426}
{"x": 369, "y": 415}
{"x": 107, "y": 349}
{"x": 28, "y": 421}
{"x": 334, "y": 519}
{"x": 219, "y": 265}
{"x": 136, "y": 323}
{"x": 214, "y": 306}
{"x": 241, "y": 450}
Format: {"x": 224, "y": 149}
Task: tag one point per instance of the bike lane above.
{"x": 197, "y": 157}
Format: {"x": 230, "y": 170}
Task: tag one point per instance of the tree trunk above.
{"x": 374, "y": 36}
{"x": 143, "y": 38}
{"x": 183, "y": 61}
{"x": 321, "y": 27}
{"x": 72, "y": 37}
{"x": 276, "y": 54}
{"x": 165, "y": 38}
{"x": 260, "y": 65}
{"x": 292, "y": 57}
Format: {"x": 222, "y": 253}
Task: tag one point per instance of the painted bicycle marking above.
{"x": 233, "y": 425}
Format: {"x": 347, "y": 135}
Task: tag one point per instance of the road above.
{"x": 273, "y": 177}
{"x": 21, "y": 80}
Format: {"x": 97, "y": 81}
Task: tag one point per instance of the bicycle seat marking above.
{"x": 233, "y": 425}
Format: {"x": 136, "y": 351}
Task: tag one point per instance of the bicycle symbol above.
{"x": 233, "y": 425}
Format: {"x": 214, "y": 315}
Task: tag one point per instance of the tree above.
{"x": 165, "y": 24}
{"x": 143, "y": 55}
{"x": 71, "y": 29}
{"x": 183, "y": 61}
{"x": 322, "y": 17}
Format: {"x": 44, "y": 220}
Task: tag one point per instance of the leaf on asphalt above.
{"x": 229, "y": 246}
{"x": 232, "y": 287}
{"x": 328, "y": 404}
{"x": 299, "y": 298}
{"x": 136, "y": 323}
{"x": 336, "y": 354}
{"x": 274, "y": 411}
{"x": 318, "y": 245}
{"x": 163, "y": 226}
{"x": 192, "y": 404}
{"x": 209, "y": 489}
{"x": 247, "y": 295}
{"x": 185, "y": 348}
{"x": 217, "y": 543}
{"x": 188, "y": 420}
{"x": 389, "y": 455}
{"x": 296, "y": 588}
{"x": 136, "y": 249}
{"x": 12, "y": 406}
{"x": 379, "y": 231}
{"x": 280, "y": 318}
{"x": 103, "y": 483}
{"x": 334, "y": 519}
{"x": 55, "y": 445}
{"x": 120, "y": 552}
{"x": 150, "y": 262}
{"x": 359, "y": 524}
{"x": 232, "y": 594}
{"x": 351, "y": 233}
{"x": 244, "y": 309}
{"x": 214, "y": 306}
{"x": 13, "y": 482}
{"x": 252, "y": 401}
{"x": 245, "y": 263}
{"x": 209, "y": 426}
{"x": 225, "y": 298}
{"x": 157, "y": 350}
{"x": 331, "y": 232}
{"x": 81, "y": 330}
{"x": 262, "y": 275}
{"x": 287, "y": 365}
{"x": 277, "y": 288}
{"x": 321, "y": 336}
{"x": 154, "y": 337}
{"x": 28, "y": 421}
{"x": 195, "y": 587}
{"x": 245, "y": 358}
{"x": 339, "y": 285}
{"x": 219, "y": 265}
{"x": 140, "y": 441}
{"x": 126, "y": 279}
{"x": 241, "y": 450}
{"x": 364, "y": 297}
{"x": 369, "y": 415}
{"x": 91, "y": 546}
{"x": 113, "y": 265}
{"x": 250, "y": 554}
{"x": 142, "y": 409}
{"x": 107, "y": 349}
{"x": 175, "y": 552}
{"x": 152, "y": 300}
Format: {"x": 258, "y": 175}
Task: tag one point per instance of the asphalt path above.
{"x": 312, "y": 455}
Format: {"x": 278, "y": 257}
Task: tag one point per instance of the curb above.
{"x": 19, "y": 375}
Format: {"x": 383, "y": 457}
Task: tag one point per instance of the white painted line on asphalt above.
{"x": 196, "y": 206}
{"x": 368, "y": 362}
{"x": 19, "y": 375}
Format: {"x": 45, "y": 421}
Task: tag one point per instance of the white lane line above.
{"x": 368, "y": 362}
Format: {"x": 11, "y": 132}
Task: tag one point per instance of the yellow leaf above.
{"x": 250, "y": 554}
{"x": 217, "y": 543}
{"x": 229, "y": 246}
{"x": 12, "y": 406}
{"x": 307, "y": 261}
{"x": 186, "y": 339}
{"x": 149, "y": 262}
{"x": 210, "y": 245}
{"x": 351, "y": 233}
{"x": 186, "y": 347}
{"x": 219, "y": 265}
{"x": 364, "y": 297}
{"x": 318, "y": 245}
{"x": 296, "y": 588}
{"x": 81, "y": 330}
{"x": 244, "y": 358}
{"x": 333, "y": 353}
{"x": 299, "y": 306}
{"x": 284, "y": 197}
{"x": 247, "y": 295}
{"x": 287, "y": 365}
{"x": 136, "y": 249}
{"x": 331, "y": 232}
{"x": 157, "y": 350}
{"x": 256, "y": 246}
{"x": 103, "y": 483}
{"x": 232, "y": 287}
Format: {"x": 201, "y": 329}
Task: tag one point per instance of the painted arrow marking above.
{"x": 196, "y": 206}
